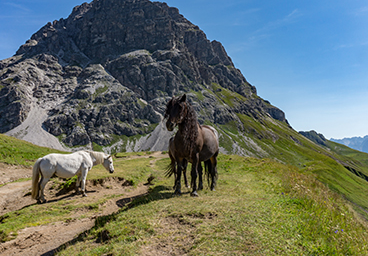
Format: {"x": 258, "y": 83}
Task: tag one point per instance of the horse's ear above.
{"x": 168, "y": 106}
{"x": 183, "y": 98}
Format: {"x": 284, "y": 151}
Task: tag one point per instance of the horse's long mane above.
{"x": 97, "y": 157}
{"x": 190, "y": 130}
{"x": 188, "y": 121}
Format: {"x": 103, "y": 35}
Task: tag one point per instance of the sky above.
{"x": 308, "y": 58}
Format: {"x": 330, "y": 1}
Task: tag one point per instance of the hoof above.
{"x": 84, "y": 195}
{"x": 194, "y": 194}
{"x": 41, "y": 201}
{"x": 177, "y": 192}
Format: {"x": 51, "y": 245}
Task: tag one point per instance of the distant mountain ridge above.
{"x": 358, "y": 143}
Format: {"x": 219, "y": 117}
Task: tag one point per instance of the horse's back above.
{"x": 213, "y": 130}
{"x": 65, "y": 165}
{"x": 210, "y": 143}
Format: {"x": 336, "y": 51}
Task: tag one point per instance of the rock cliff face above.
{"x": 317, "y": 138}
{"x": 105, "y": 73}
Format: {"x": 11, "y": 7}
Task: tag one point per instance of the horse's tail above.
{"x": 170, "y": 169}
{"x": 35, "y": 178}
{"x": 207, "y": 170}
{"x": 211, "y": 172}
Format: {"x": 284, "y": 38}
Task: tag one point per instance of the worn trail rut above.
{"x": 45, "y": 239}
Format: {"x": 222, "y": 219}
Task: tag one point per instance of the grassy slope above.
{"x": 329, "y": 165}
{"x": 276, "y": 140}
{"x": 261, "y": 207}
{"x": 18, "y": 152}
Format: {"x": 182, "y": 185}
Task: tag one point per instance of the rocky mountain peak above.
{"x": 104, "y": 74}
{"x": 105, "y": 29}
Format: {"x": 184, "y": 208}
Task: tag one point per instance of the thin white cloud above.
{"x": 351, "y": 45}
{"x": 267, "y": 30}
{"x": 361, "y": 11}
{"x": 290, "y": 18}
{"x": 18, "y": 6}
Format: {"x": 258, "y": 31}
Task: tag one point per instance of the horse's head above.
{"x": 107, "y": 163}
{"x": 176, "y": 110}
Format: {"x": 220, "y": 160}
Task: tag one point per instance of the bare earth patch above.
{"x": 43, "y": 240}
{"x": 9, "y": 173}
{"x": 178, "y": 238}
{"x": 177, "y": 235}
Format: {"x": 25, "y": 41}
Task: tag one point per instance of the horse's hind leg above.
{"x": 213, "y": 172}
{"x": 185, "y": 178}
{"x": 41, "y": 198}
{"x": 194, "y": 174}
{"x": 83, "y": 181}
{"x": 200, "y": 177}
{"x": 77, "y": 185}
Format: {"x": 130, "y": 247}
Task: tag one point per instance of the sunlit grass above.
{"x": 137, "y": 172}
{"x": 260, "y": 207}
{"x": 18, "y": 152}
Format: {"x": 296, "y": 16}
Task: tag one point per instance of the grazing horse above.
{"x": 66, "y": 166}
{"x": 193, "y": 142}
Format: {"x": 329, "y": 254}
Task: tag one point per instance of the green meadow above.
{"x": 261, "y": 206}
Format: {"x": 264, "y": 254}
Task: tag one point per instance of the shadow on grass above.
{"x": 156, "y": 193}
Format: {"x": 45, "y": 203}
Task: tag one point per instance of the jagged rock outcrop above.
{"x": 106, "y": 72}
{"x": 317, "y": 138}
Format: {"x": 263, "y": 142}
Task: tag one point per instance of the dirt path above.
{"x": 42, "y": 240}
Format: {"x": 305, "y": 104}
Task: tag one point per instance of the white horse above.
{"x": 66, "y": 166}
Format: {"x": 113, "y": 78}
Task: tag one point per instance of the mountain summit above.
{"x": 102, "y": 77}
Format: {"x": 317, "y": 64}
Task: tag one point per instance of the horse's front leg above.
{"x": 194, "y": 174}
{"x": 185, "y": 165}
{"x": 175, "y": 176}
{"x": 179, "y": 170}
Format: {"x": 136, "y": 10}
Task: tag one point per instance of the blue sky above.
{"x": 309, "y": 58}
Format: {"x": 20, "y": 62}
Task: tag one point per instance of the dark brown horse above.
{"x": 171, "y": 169}
{"x": 193, "y": 142}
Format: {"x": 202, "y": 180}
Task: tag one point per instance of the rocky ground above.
{"x": 44, "y": 239}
